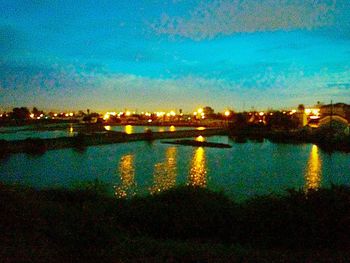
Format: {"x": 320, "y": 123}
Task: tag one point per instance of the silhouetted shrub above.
{"x": 35, "y": 146}
{"x": 79, "y": 142}
{"x": 149, "y": 135}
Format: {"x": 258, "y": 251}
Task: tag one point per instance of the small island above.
{"x": 198, "y": 143}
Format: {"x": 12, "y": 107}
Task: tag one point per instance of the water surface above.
{"x": 241, "y": 172}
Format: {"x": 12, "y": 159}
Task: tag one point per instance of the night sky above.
{"x": 164, "y": 55}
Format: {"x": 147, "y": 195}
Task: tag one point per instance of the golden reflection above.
{"x": 172, "y": 128}
{"x": 198, "y": 172}
{"x": 107, "y": 128}
{"x": 165, "y": 172}
{"x": 313, "y": 170}
{"x": 128, "y": 129}
{"x": 71, "y": 131}
{"x": 127, "y": 177}
{"x": 201, "y": 128}
{"x": 200, "y": 138}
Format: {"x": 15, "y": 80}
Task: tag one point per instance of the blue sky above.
{"x": 163, "y": 55}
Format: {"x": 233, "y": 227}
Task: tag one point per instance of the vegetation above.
{"x": 282, "y": 129}
{"x": 183, "y": 224}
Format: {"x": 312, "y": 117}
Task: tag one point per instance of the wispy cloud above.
{"x": 224, "y": 17}
{"x": 64, "y": 86}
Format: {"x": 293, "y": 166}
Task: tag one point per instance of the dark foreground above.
{"x": 182, "y": 225}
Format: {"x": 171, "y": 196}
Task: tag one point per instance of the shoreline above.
{"x": 81, "y": 141}
{"x": 96, "y": 135}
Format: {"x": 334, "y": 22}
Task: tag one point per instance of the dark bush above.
{"x": 35, "y": 146}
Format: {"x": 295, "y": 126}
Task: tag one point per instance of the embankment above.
{"x": 84, "y": 140}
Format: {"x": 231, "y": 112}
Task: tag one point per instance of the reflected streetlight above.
{"x": 198, "y": 171}
{"x": 313, "y": 170}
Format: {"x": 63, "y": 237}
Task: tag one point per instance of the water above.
{"x": 138, "y": 168}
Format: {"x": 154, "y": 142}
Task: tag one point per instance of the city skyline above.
{"x": 155, "y": 55}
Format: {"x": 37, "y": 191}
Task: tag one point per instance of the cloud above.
{"x": 78, "y": 87}
{"x": 11, "y": 41}
{"x": 224, "y": 17}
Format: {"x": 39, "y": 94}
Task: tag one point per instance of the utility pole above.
{"x": 331, "y": 117}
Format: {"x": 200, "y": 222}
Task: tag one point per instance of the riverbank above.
{"x": 181, "y": 225}
{"x": 328, "y": 142}
{"x": 39, "y": 146}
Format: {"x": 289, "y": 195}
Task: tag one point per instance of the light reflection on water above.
{"x": 200, "y": 138}
{"x": 164, "y": 176}
{"x": 313, "y": 170}
{"x": 243, "y": 171}
{"x": 198, "y": 171}
{"x": 129, "y": 129}
{"x": 127, "y": 187}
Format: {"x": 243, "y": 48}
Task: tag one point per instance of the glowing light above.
{"x": 129, "y": 129}
{"x": 307, "y": 111}
{"x": 200, "y": 138}
{"x": 149, "y": 120}
{"x": 128, "y": 113}
{"x": 127, "y": 177}
{"x": 200, "y": 128}
{"x": 195, "y": 113}
{"x": 261, "y": 113}
{"x": 313, "y": 170}
{"x": 200, "y": 110}
{"x": 172, "y": 128}
{"x": 107, "y": 128}
{"x": 198, "y": 169}
{"x": 315, "y": 111}
{"x": 106, "y": 116}
{"x": 66, "y": 114}
{"x": 109, "y": 114}
{"x": 165, "y": 172}
{"x": 227, "y": 113}
{"x": 31, "y": 115}
{"x": 172, "y": 113}
{"x": 71, "y": 114}
{"x": 41, "y": 115}
{"x": 38, "y": 118}
{"x": 55, "y": 115}
{"x": 71, "y": 130}
{"x": 314, "y": 117}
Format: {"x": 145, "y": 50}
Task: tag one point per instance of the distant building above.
{"x": 339, "y": 109}
{"x": 338, "y": 114}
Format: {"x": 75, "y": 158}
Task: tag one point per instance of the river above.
{"x": 137, "y": 168}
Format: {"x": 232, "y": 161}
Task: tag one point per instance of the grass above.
{"x": 181, "y": 224}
